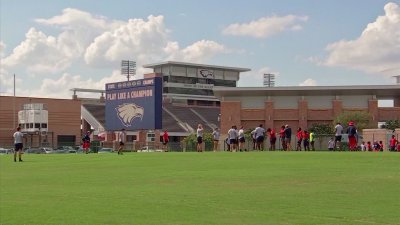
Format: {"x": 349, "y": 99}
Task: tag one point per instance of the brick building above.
{"x": 303, "y": 106}
{"x": 63, "y": 126}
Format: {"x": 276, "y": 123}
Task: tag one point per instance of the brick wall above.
{"x": 64, "y": 117}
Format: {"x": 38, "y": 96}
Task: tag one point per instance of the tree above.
{"x": 191, "y": 141}
{"x": 362, "y": 119}
{"x": 322, "y": 129}
{"x": 392, "y": 124}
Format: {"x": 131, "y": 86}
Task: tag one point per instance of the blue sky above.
{"x": 53, "y": 46}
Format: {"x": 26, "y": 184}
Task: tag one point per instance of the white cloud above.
{"x": 308, "y": 82}
{"x": 266, "y": 26}
{"x": 2, "y": 48}
{"x": 43, "y": 54}
{"x": 77, "y": 19}
{"x": 81, "y": 40}
{"x": 377, "y": 50}
{"x": 39, "y": 53}
{"x": 199, "y": 51}
{"x": 255, "y": 79}
{"x": 137, "y": 40}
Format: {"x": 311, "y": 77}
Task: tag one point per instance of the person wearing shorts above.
{"x": 272, "y": 138}
{"x": 215, "y": 135}
{"x": 165, "y": 140}
{"x": 288, "y": 137}
{"x": 199, "y": 134}
{"x": 121, "y": 139}
{"x": 233, "y": 138}
{"x": 260, "y": 133}
{"x": 86, "y": 142}
{"x": 18, "y": 144}
{"x": 241, "y": 139}
{"x": 338, "y": 136}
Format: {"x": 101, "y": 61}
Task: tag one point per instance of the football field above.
{"x": 201, "y": 188}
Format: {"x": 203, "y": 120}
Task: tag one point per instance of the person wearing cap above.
{"x": 352, "y": 134}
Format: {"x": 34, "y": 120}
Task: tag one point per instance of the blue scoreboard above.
{"x": 134, "y": 105}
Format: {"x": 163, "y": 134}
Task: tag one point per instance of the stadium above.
{"x": 195, "y": 94}
{"x": 257, "y": 187}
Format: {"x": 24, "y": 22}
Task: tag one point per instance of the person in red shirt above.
{"x": 299, "y": 136}
{"x": 381, "y": 146}
{"x": 392, "y": 143}
{"x": 352, "y": 135}
{"x": 369, "y": 146}
{"x": 272, "y": 138}
{"x": 165, "y": 139}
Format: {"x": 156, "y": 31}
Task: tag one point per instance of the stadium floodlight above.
{"x": 269, "y": 80}
{"x": 128, "y": 68}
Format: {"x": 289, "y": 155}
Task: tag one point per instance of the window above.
{"x": 151, "y": 136}
{"x": 37, "y": 125}
{"x": 44, "y": 125}
{"x": 131, "y": 138}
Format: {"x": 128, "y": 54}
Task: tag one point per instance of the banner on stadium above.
{"x": 134, "y": 105}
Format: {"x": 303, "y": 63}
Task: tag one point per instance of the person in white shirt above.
{"x": 199, "y": 134}
{"x": 18, "y": 144}
{"x": 363, "y": 147}
{"x": 121, "y": 139}
{"x": 260, "y": 134}
{"x": 215, "y": 135}
{"x": 338, "y": 136}
{"x": 233, "y": 136}
{"x": 241, "y": 139}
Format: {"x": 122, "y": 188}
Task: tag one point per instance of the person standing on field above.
{"x": 352, "y": 134}
{"x": 312, "y": 140}
{"x": 260, "y": 136}
{"x": 241, "y": 139}
{"x": 165, "y": 140}
{"x": 233, "y": 138}
{"x": 288, "y": 137}
{"x": 121, "y": 139}
{"x": 86, "y": 142}
{"x": 215, "y": 135}
{"x": 199, "y": 134}
{"x": 338, "y": 136}
{"x": 18, "y": 144}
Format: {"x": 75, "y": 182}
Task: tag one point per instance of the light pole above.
{"x": 128, "y": 68}
{"x": 269, "y": 79}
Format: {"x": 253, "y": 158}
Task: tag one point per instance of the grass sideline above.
{"x": 201, "y": 188}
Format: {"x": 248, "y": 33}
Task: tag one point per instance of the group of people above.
{"x": 121, "y": 138}
{"x": 236, "y": 138}
{"x": 352, "y": 135}
{"x": 378, "y": 146}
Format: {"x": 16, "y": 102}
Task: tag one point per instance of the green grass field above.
{"x": 201, "y": 188}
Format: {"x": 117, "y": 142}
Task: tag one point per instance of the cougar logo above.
{"x": 206, "y": 73}
{"x": 129, "y": 111}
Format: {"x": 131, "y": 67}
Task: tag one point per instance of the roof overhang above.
{"x": 174, "y": 63}
{"x": 380, "y": 91}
